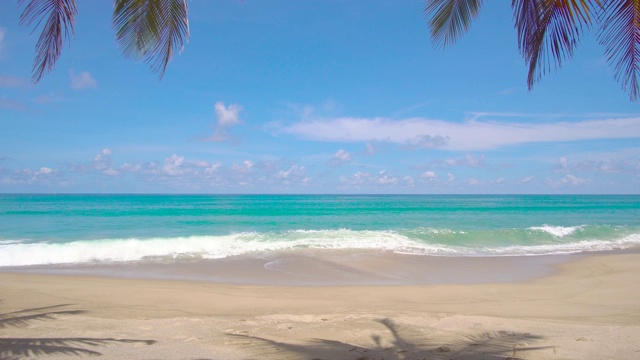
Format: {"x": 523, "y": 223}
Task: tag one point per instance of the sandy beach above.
{"x": 587, "y": 308}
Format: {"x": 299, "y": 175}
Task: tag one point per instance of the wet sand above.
{"x": 323, "y": 268}
{"x": 583, "y": 307}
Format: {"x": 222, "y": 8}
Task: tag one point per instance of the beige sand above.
{"x": 589, "y": 309}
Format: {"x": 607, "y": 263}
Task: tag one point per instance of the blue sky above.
{"x": 312, "y": 97}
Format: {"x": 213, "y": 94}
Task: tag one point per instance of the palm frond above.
{"x": 449, "y": 19}
{"x": 620, "y": 34}
{"x": 60, "y": 18}
{"x": 152, "y": 30}
{"x": 548, "y": 31}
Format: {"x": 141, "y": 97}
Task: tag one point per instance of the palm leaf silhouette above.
{"x": 620, "y": 34}
{"x": 549, "y": 31}
{"x": 60, "y": 18}
{"x": 152, "y": 30}
{"x": 451, "y": 18}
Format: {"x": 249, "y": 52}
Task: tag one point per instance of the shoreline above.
{"x": 588, "y": 308}
{"x": 325, "y": 268}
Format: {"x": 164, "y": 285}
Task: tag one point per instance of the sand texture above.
{"x": 588, "y": 309}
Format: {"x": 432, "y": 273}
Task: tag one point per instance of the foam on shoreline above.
{"x": 535, "y": 241}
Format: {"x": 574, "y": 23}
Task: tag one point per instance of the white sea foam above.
{"x": 10, "y": 241}
{"x": 558, "y": 231}
{"x": 212, "y": 247}
{"x": 626, "y": 242}
{"x": 208, "y": 247}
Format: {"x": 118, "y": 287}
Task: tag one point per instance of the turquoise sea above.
{"x": 40, "y": 229}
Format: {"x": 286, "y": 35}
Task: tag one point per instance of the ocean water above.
{"x": 79, "y": 229}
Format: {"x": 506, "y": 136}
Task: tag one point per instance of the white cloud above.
{"x": 209, "y": 168}
{"x": 429, "y": 175}
{"x": 563, "y": 165}
{"x": 427, "y": 141}
{"x": 246, "y": 166}
{"x": 227, "y": 116}
{"x": 173, "y": 165}
{"x": 341, "y": 157}
{"x": 362, "y": 179}
{"x": 175, "y": 172}
{"x": 470, "y": 160}
{"x": 604, "y": 166}
{"x": 102, "y": 162}
{"x": 526, "y": 179}
{"x": 385, "y": 179}
{"x": 358, "y": 178}
{"x": 472, "y": 182}
{"x": 293, "y": 171}
{"x": 573, "y": 180}
{"x": 568, "y": 180}
{"x": 43, "y": 176}
{"x": 130, "y": 168}
{"x": 83, "y": 80}
{"x": 451, "y": 177}
{"x": 370, "y": 149}
{"x": 467, "y": 135}
{"x": 212, "y": 168}
{"x": 111, "y": 172}
{"x": 409, "y": 180}
{"x": 180, "y": 173}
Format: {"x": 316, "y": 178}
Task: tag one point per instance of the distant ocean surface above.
{"x": 68, "y": 229}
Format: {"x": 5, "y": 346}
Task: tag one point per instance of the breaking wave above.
{"x": 540, "y": 240}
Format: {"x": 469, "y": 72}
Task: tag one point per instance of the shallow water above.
{"x": 89, "y": 229}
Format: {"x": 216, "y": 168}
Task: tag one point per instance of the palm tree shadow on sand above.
{"x": 21, "y": 348}
{"x": 499, "y": 345}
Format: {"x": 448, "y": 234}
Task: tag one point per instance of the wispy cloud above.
{"x": 462, "y": 136}
{"x": 411, "y": 108}
{"x": 369, "y": 149}
{"x": 526, "y": 180}
{"x": 3, "y": 33}
{"x": 177, "y": 172}
{"x": 362, "y": 179}
{"x": 42, "y": 176}
{"x": 83, "y": 80}
{"x": 13, "y": 82}
{"x": 427, "y": 141}
{"x": 12, "y": 104}
{"x": 469, "y": 160}
{"x": 507, "y": 91}
{"x": 606, "y": 166}
{"x": 568, "y": 180}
